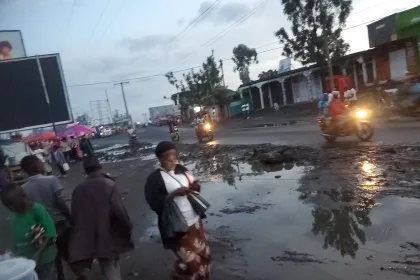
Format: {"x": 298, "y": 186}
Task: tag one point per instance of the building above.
{"x": 394, "y": 51}
{"x": 162, "y": 111}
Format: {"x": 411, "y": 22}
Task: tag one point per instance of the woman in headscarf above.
{"x": 172, "y": 181}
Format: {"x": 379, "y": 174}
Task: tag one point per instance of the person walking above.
{"x": 60, "y": 160}
{"x": 102, "y": 227}
{"x": 74, "y": 148}
{"x": 47, "y": 191}
{"x": 86, "y": 147}
{"x": 172, "y": 181}
{"x": 27, "y": 220}
{"x": 66, "y": 148}
{"x": 276, "y": 105}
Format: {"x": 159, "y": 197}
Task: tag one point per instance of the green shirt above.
{"x": 21, "y": 226}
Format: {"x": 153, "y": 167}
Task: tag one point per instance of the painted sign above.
{"x": 408, "y": 23}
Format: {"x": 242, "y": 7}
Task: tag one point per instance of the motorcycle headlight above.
{"x": 361, "y": 114}
{"x": 208, "y": 126}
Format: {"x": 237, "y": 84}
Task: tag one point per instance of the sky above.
{"x": 108, "y": 41}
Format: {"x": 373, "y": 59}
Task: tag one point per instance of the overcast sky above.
{"x": 114, "y": 40}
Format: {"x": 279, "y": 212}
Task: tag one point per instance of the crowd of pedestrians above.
{"x": 97, "y": 225}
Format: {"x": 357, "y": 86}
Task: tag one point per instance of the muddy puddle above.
{"x": 119, "y": 153}
{"x": 269, "y": 222}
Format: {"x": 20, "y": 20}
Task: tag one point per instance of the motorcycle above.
{"x": 356, "y": 124}
{"x": 132, "y": 142}
{"x": 204, "y": 131}
{"x": 175, "y": 134}
{"x": 400, "y": 99}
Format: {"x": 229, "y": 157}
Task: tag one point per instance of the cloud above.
{"x": 180, "y": 22}
{"x": 145, "y": 43}
{"x": 224, "y": 13}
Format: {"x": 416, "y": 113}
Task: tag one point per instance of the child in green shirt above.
{"x": 25, "y": 216}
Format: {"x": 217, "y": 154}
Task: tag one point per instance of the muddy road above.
{"x": 282, "y": 212}
{"x": 296, "y": 133}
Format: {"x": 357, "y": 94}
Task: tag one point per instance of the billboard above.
{"x": 11, "y": 44}
{"x": 161, "y": 111}
{"x": 22, "y": 97}
{"x": 285, "y": 65}
{"x": 382, "y": 31}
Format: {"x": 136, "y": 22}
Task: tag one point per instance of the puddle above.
{"x": 281, "y": 227}
{"x": 119, "y": 153}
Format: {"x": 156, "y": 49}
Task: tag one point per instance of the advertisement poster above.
{"x": 11, "y": 44}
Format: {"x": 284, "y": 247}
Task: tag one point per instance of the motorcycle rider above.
{"x": 130, "y": 131}
{"x": 171, "y": 125}
{"x": 337, "y": 111}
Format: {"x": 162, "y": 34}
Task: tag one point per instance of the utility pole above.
{"x": 330, "y": 70}
{"x": 223, "y": 74}
{"x": 327, "y": 54}
{"x": 130, "y": 121}
{"x": 212, "y": 98}
{"x": 109, "y": 108}
{"x": 47, "y": 98}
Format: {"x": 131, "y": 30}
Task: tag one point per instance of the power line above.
{"x": 364, "y": 10}
{"x": 228, "y": 29}
{"x": 234, "y": 25}
{"x": 367, "y": 22}
{"x": 113, "y": 19}
{"x": 189, "y": 68}
{"x": 97, "y": 24}
{"x": 155, "y": 75}
{"x": 191, "y": 25}
{"x": 69, "y": 24}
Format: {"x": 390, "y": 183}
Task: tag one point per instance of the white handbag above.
{"x": 66, "y": 167}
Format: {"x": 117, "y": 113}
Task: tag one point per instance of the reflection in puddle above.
{"x": 232, "y": 170}
{"x": 367, "y": 167}
{"x": 119, "y": 153}
{"x": 297, "y": 214}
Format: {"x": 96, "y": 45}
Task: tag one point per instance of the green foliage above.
{"x": 222, "y": 96}
{"x": 268, "y": 74}
{"x": 312, "y": 22}
{"x": 243, "y": 56}
{"x": 201, "y": 87}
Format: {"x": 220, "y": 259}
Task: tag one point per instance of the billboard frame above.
{"x": 377, "y": 38}
{"x": 60, "y": 69}
{"x": 21, "y": 38}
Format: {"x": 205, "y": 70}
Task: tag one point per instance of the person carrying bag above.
{"x": 168, "y": 192}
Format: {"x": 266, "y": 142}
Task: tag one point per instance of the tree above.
{"x": 198, "y": 87}
{"x": 314, "y": 23}
{"x": 268, "y": 74}
{"x": 83, "y": 119}
{"x": 243, "y": 57}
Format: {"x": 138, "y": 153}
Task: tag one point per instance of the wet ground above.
{"x": 301, "y": 132}
{"x": 340, "y": 211}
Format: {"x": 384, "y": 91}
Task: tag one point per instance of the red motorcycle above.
{"x": 356, "y": 124}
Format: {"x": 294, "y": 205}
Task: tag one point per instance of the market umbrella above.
{"x": 41, "y": 136}
{"x": 75, "y": 130}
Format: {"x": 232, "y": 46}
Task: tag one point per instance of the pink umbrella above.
{"x": 75, "y": 130}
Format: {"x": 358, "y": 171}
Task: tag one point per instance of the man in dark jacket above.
{"x": 102, "y": 228}
{"x": 86, "y": 147}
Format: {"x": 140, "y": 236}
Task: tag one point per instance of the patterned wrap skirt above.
{"x": 193, "y": 254}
